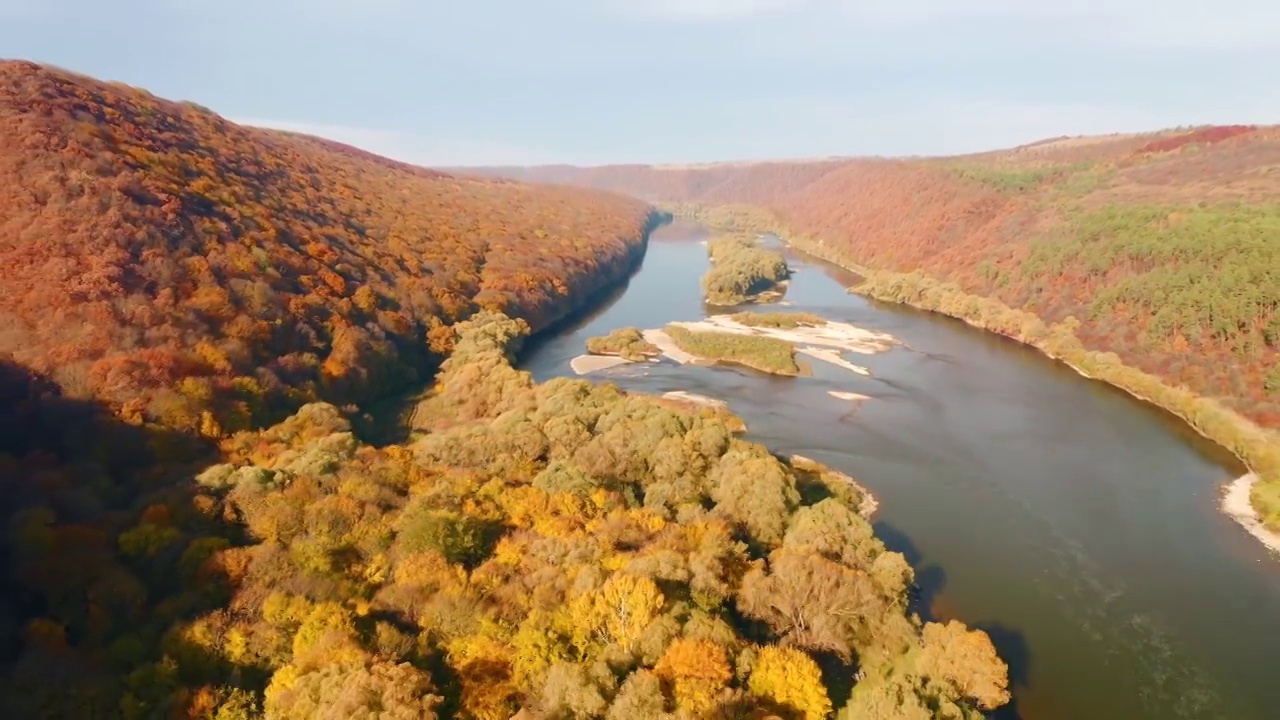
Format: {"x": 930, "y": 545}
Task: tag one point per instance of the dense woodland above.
{"x": 1161, "y": 248}
{"x": 564, "y": 550}
{"x": 206, "y": 276}
{"x": 193, "y": 529}
{"x": 741, "y": 271}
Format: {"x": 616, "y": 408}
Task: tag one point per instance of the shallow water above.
{"x": 1076, "y": 525}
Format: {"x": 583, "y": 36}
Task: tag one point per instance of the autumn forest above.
{"x": 194, "y": 314}
{"x": 1150, "y": 258}
{"x": 197, "y": 316}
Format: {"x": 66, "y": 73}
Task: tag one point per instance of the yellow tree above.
{"x": 698, "y": 671}
{"x": 792, "y": 679}
{"x": 621, "y": 609}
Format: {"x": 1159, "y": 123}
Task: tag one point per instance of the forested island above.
{"x": 194, "y": 313}
{"x": 766, "y": 354}
{"x": 742, "y": 272}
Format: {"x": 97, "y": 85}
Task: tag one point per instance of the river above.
{"x": 1076, "y": 525}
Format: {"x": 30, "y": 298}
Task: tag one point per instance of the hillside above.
{"x": 559, "y": 550}
{"x": 1163, "y": 247}
{"x": 202, "y": 275}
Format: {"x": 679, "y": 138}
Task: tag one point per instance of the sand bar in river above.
{"x": 584, "y": 364}
{"x": 1235, "y": 502}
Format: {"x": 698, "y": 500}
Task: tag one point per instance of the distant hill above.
{"x": 1164, "y": 246}
{"x": 201, "y": 274}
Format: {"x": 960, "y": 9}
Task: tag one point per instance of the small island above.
{"x": 758, "y": 352}
{"x": 619, "y": 347}
{"x": 627, "y": 342}
{"x": 779, "y": 320}
{"x": 741, "y": 272}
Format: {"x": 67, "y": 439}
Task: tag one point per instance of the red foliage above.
{"x": 1204, "y": 136}
{"x": 145, "y": 242}
{"x": 906, "y": 215}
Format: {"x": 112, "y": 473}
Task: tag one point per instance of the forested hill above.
{"x": 204, "y": 275}
{"x": 1165, "y": 247}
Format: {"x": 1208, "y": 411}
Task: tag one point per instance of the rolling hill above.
{"x": 1161, "y": 248}
{"x": 544, "y": 550}
{"x": 202, "y": 275}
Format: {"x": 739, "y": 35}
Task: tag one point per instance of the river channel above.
{"x": 1076, "y": 525}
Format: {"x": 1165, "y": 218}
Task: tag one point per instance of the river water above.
{"x": 1075, "y": 525}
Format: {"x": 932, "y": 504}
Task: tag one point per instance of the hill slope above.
{"x": 201, "y": 274}
{"x": 1165, "y": 247}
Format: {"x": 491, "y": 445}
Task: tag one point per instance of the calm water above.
{"x": 1075, "y": 525}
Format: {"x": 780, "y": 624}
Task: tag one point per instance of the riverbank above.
{"x": 867, "y": 504}
{"x": 1256, "y": 447}
{"x": 1235, "y": 503}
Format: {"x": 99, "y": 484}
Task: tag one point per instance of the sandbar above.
{"x": 830, "y": 334}
{"x": 1235, "y": 503}
{"x": 832, "y": 356}
{"x": 584, "y": 364}
{"x": 664, "y": 343}
{"x": 695, "y": 398}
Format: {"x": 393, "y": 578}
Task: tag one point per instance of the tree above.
{"x": 622, "y": 608}
{"x": 698, "y": 670}
{"x": 792, "y": 679}
{"x": 372, "y": 691}
{"x": 639, "y": 698}
{"x": 967, "y": 662}
{"x": 751, "y": 487}
{"x": 811, "y": 601}
{"x": 569, "y": 693}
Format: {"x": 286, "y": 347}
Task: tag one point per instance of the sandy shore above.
{"x": 831, "y": 334}
{"x": 695, "y": 399}
{"x": 828, "y": 355}
{"x": 869, "y": 504}
{"x": 1235, "y": 503}
{"x": 824, "y": 342}
{"x": 846, "y": 395}
{"x": 663, "y": 342}
{"x": 584, "y": 364}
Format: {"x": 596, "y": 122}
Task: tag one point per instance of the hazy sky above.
{"x": 595, "y": 81}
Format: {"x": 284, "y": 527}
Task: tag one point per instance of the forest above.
{"x": 1160, "y": 251}
{"x": 205, "y": 276}
{"x": 194, "y": 527}
{"x": 563, "y": 550}
{"x": 742, "y": 272}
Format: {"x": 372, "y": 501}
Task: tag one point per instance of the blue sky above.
{"x": 601, "y": 81}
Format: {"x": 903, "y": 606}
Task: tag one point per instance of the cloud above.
{"x": 414, "y": 148}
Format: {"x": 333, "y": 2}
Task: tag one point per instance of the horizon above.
{"x": 675, "y": 82}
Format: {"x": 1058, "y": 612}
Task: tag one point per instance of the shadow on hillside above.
{"x": 78, "y": 615}
{"x": 388, "y": 421}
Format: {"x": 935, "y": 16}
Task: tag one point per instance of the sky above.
{"x": 485, "y": 82}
